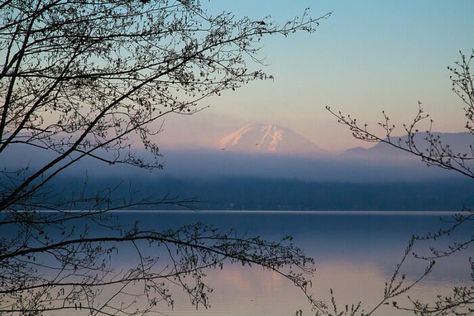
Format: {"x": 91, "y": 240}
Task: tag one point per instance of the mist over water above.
{"x": 355, "y": 252}
{"x": 380, "y": 163}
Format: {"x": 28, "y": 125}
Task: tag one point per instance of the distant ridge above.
{"x": 268, "y": 139}
{"x": 458, "y": 142}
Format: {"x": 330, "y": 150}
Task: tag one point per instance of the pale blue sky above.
{"x": 368, "y": 56}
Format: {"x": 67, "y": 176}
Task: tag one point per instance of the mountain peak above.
{"x": 268, "y": 138}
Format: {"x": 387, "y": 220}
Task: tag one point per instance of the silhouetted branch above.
{"x": 93, "y": 80}
{"x": 432, "y": 150}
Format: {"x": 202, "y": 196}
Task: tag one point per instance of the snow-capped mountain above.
{"x": 269, "y": 139}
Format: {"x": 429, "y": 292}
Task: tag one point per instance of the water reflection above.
{"x": 356, "y": 253}
{"x": 255, "y": 292}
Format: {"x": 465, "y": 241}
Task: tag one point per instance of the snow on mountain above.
{"x": 269, "y": 139}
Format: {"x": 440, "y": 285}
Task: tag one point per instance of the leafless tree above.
{"x": 432, "y": 150}
{"x": 85, "y": 79}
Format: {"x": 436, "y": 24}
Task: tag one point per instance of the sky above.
{"x": 367, "y": 57}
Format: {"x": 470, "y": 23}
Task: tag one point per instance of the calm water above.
{"x": 355, "y": 253}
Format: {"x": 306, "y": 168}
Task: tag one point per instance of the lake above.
{"x": 355, "y": 253}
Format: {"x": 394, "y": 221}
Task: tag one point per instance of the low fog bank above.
{"x": 225, "y": 180}
{"x": 213, "y": 165}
